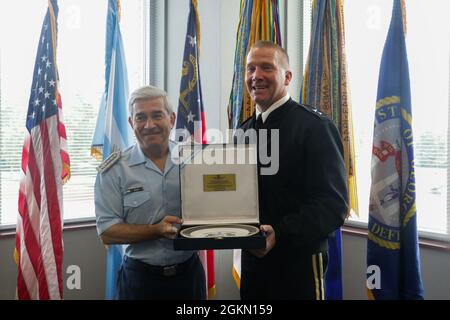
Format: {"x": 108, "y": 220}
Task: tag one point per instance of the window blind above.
{"x": 81, "y": 47}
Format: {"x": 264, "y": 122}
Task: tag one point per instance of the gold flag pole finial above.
{"x": 197, "y": 22}
{"x": 403, "y": 5}
{"x": 118, "y": 10}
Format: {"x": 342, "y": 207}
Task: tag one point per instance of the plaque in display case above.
{"x": 219, "y": 197}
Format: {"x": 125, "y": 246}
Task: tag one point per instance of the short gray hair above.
{"x": 148, "y": 92}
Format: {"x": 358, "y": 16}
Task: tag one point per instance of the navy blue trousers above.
{"x": 138, "y": 281}
{"x": 295, "y": 277}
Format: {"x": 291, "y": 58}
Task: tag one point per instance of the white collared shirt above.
{"x": 274, "y": 106}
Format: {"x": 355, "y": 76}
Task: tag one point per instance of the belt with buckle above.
{"x": 169, "y": 271}
{"x": 166, "y": 271}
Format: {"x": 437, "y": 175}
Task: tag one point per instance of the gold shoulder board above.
{"x": 109, "y": 162}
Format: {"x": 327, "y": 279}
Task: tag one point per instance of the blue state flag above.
{"x": 191, "y": 115}
{"x": 112, "y": 132}
{"x": 392, "y": 246}
{"x": 333, "y": 276}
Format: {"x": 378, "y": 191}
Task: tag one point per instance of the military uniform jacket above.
{"x": 307, "y": 199}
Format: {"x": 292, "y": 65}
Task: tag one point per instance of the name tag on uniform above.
{"x": 135, "y": 189}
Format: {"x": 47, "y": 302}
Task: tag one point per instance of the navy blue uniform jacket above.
{"x": 307, "y": 199}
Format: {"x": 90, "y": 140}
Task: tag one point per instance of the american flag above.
{"x": 45, "y": 166}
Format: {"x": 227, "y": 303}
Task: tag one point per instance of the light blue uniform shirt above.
{"x": 135, "y": 191}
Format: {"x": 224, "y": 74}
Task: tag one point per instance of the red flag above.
{"x": 207, "y": 259}
{"x": 45, "y": 166}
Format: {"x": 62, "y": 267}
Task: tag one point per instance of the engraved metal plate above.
{"x": 219, "y": 182}
{"x": 219, "y": 231}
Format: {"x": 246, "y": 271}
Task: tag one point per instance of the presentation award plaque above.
{"x": 219, "y": 197}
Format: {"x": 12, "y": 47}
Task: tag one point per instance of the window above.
{"x": 366, "y": 27}
{"x": 81, "y": 50}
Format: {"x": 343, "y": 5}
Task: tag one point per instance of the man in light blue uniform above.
{"x": 137, "y": 203}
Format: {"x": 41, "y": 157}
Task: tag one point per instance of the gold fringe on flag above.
{"x": 325, "y": 81}
{"x": 263, "y": 25}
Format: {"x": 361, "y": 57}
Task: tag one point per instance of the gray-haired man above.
{"x": 137, "y": 203}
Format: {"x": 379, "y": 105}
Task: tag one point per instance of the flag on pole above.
{"x": 325, "y": 87}
{"x": 392, "y": 246}
{"x": 259, "y": 20}
{"x": 46, "y": 166}
{"x": 112, "y": 131}
{"x": 191, "y": 115}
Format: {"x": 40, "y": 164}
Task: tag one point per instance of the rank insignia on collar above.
{"x": 109, "y": 162}
{"x": 314, "y": 110}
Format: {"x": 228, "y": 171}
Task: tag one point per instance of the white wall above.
{"x": 82, "y": 248}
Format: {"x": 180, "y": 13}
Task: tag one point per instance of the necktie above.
{"x": 259, "y": 122}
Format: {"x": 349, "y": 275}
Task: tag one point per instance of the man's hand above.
{"x": 125, "y": 233}
{"x": 270, "y": 241}
{"x": 166, "y": 227}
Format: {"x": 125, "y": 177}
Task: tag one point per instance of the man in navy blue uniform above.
{"x": 302, "y": 203}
